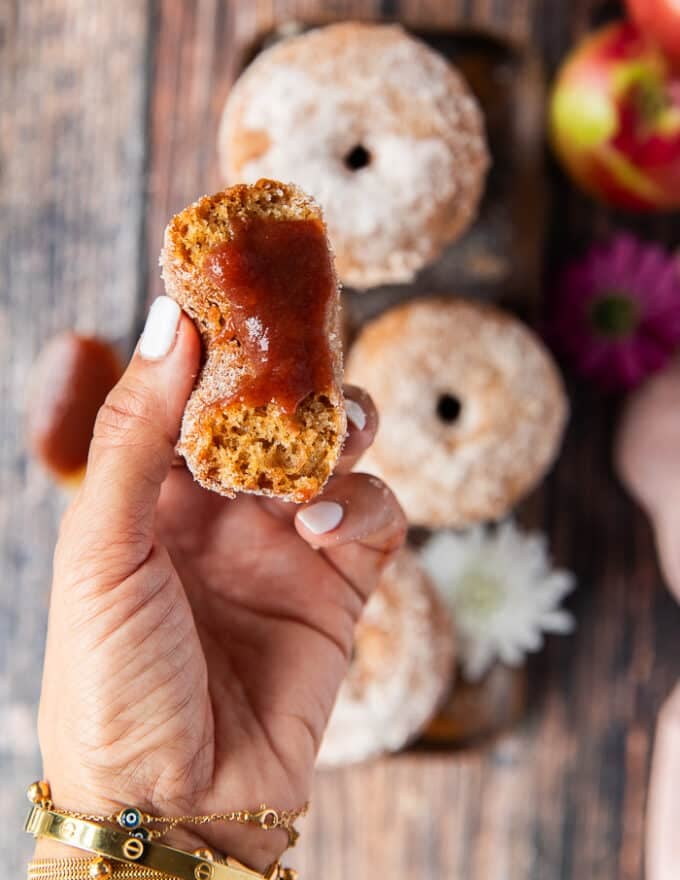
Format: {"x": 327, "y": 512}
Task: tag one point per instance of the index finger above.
{"x": 362, "y": 424}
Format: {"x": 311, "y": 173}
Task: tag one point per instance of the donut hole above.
{"x": 449, "y": 408}
{"x": 358, "y": 157}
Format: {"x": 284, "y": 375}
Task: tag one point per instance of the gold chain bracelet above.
{"x": 89, "y": 869}
{"x": 135, "y": 821}
{"x": 101, "y": 869}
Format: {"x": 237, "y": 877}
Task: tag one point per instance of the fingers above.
{"x": 362, "y": 424}
{"x": 358, "y": 524}
{"x": 663, "y": 811}
{"x": 132, "y": 448}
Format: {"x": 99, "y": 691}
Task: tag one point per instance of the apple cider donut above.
{"x": 401, "y": 667}
{"x": 472, "y": 409}
{"x": 378, "y": 127}
{"x": 252, "y": 267}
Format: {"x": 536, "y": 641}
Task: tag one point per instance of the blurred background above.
{"x": 108, "y": 123}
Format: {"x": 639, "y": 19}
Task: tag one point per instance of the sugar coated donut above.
{"x": 401, "y": 668}
{"x": 378, "y": 127}
{"x": 472, "y": 408}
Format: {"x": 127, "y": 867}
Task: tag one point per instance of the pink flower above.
{"x": 616, "y": 312}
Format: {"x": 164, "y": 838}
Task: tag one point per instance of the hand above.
{"x": 647, "y": 461}
{"x": 646, "y": 455}
{"x": 196, "y": 643}
{"x": 663, "y": 808}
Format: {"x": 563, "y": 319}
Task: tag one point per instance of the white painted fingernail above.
{"x": 160, "y": 328}
{"x": 322, "y": 517}
{"x": 355, "y": 414}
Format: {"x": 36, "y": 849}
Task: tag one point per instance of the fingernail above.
{"x": 160, "y": 328}
{"x": 355, "y": 414}
{"x": 321, "y": 517}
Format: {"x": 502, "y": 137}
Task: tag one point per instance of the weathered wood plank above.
{"x": 72, "y": 160}
{"x": 562, "y": 796}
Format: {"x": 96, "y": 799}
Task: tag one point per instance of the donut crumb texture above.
{"x": 258, "y": 450}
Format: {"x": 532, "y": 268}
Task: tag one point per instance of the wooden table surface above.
{"x": 108, "y": 115}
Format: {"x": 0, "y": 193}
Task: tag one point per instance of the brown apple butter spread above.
{"x": 277, "y": 277}
{"x": 70, "y": 381}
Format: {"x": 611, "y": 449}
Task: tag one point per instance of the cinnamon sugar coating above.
{"x": 402, "y": 666}
{"x": 472, "y": 408}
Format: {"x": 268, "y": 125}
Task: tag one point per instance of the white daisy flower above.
{"x": 502, "y": 592}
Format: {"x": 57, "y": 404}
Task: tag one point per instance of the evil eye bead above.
{"x": 130, "y": 818}
{"x": 141, "y": 833}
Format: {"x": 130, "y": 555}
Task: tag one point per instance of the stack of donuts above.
{"x": 387, "y": 136}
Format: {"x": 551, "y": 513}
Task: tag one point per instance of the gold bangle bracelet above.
{"x": 117, "y": 845}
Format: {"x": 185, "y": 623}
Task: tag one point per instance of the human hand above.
{"x": 647, "y": 461}
{"x": 196, "y": 643}
{"x": 646, "y": 456}
{"x": 663, "y": 808}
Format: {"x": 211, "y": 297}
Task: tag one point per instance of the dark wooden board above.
{"x": 108, "y": 119}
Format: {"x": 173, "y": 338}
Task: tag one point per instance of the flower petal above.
{"x": 627, "y": 266}
{"x": 476, "y": 661}
{"x": 502, "y": 591}
{"x": 561, "y": 622}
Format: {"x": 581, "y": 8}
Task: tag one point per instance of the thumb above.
{"x": 132, "y": 446}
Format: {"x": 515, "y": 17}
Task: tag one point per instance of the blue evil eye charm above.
{"x": 130, "y": 818}
{"x": 141, "y": 833}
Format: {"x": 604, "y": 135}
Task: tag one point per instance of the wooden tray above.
{"x": 500, "y": 257}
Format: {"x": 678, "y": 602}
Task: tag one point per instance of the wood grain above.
{"x": 73, "y": 79}
{"x": 102, "y": 105}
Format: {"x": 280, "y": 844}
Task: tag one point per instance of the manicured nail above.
{"x": 355, "y": 414}
{"x": 321, "y": 517}
{"x": 160, "y": 328}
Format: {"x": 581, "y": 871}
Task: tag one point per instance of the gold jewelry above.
{"x": 134, "y": 820}
{"x": 99, "y": 867}
{"x": 112, "y": 844}
{"x": 89, "y": 869}
{"x": 85, "y": 869}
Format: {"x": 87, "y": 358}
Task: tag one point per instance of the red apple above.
{"x": 615, "y": 120}
{"x": 660, "y": 20}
